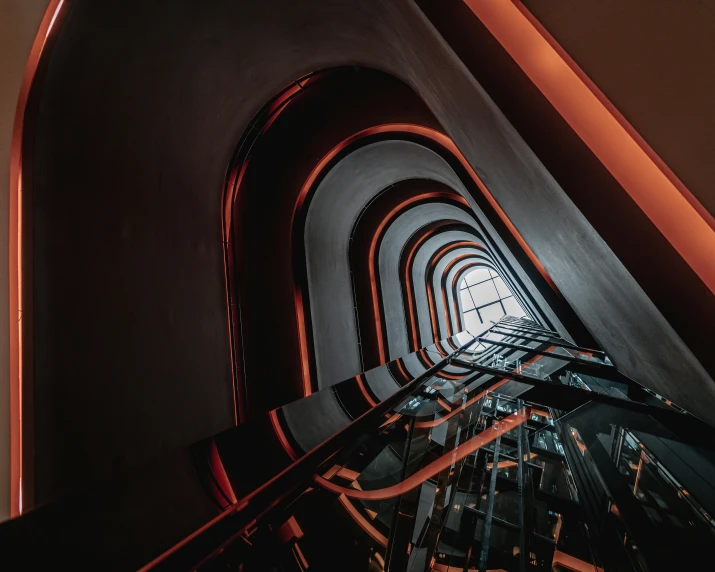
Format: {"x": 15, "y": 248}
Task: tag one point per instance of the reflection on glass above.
{"x": 463, "y": 457}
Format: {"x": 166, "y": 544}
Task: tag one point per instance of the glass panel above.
{"x": 476, "y": 276}
{"x": 491, "y": 313}
{"x": 512, "y": 307}
{"x": 472, "y": 323}
{"x": 484, "y": 293}
{"x": 467, "y": 303}
{"x": 552, "y": 479}
{"x": 583, "y": 355}
{"x": 422, "y": 477}
{"x": 642, "y": 487}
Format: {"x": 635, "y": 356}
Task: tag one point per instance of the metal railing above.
{"x": 207, "y": 542}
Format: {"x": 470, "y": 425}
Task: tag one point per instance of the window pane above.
{"x": 484, "y": 293}
{"x": 512, "y": 307}
{"x": 501, "y": 287}
{"x": 488, "y": 291}
{"x": 493, "y": 313}
{"x": 467, "y": 303}
{"x": 476, "y": 275}
{"x": 472, "y": 323}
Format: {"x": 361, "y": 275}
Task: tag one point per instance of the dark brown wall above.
{"x": 139, "y": 114}
{"x": 667, "y": 280}
{"x": 654, "y": 60}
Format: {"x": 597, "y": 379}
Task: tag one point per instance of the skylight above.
{"x": 486, "y": 298}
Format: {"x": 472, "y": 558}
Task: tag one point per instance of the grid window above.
{"x": 511, "y": 306}
{"x": 486, "y": 298}
{"x": 476, "y": 276}
{"x": 467, "y": 303}
{"x": 491, "y": 312}
{"x": 484, "y": 293}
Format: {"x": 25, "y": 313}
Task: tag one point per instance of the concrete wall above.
{"x": 139, "y": 115}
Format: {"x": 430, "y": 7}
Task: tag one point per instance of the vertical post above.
{"x": 446, "y": 479}
{"x": 490, "y": 506}
{"x": 520, "y": 487}
{"x": 405, "y": 512}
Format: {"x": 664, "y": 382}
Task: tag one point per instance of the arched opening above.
{"x": 486, "y": 298}
{"x": 346, "y": 237}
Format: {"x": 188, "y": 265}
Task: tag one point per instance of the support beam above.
{"x": 551, "y": 341}
{"x": 572, "y": 359}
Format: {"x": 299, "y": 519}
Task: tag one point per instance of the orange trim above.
{"x": 436, "y": 466}
{"x": 287, "y": 447}
{"x": 391, "y": 420}
{"x": 434, "y": 262}
{"x": 302, "y": 196}
{"x": 572, "y": 563}
{"x": 371, "y": 261}
{"x": 448, "y": 144}
{"x": 455, "y": 290}
{"x": 433, "y": 318}
{"x": 402, "y": 369}
{"x": 366, "y": 525}
{"x": 440, "y": 349}
{"x": 446, "y": 271}
{"x": 428, "y": 363}
{"x": 637, "y": 137}
{"x": 303, "y": 338}
{"x": 15, "y": 255}
{"x": 436, "y": 422}
{"x": 301, "y": 557}
{"x": 364, "y": 391}
{"x": 220, "y": 474}
{"x": 454, "y": 246}
{"x": 541, "y": 412}
{"x": 234, "y": 184}
{"x": 507, "y": 464}
{"x": 452, "y": 376}
{"x": 348, "y": 474}
{"x": 446, "y": 406}
{"x": 442, "y": 140}
{"x": 409, "y": 285}
{"x": 664, "y": 199}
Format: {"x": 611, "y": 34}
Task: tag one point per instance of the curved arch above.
{"x": 457, "y": 276}
{"x": 443, "y": 279}
{"x": 320, "y": 170}
{"x": 420, "y": 270}
{"x": 300, "y": 110}
{"x": 407, "y": 258}
{"x": 333, "y": 207}
{"x": 402, "y": 311}
{"x": 437, "y": 266}
{"x": 429, "y": 140}
{"x": 414, "y": 480}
